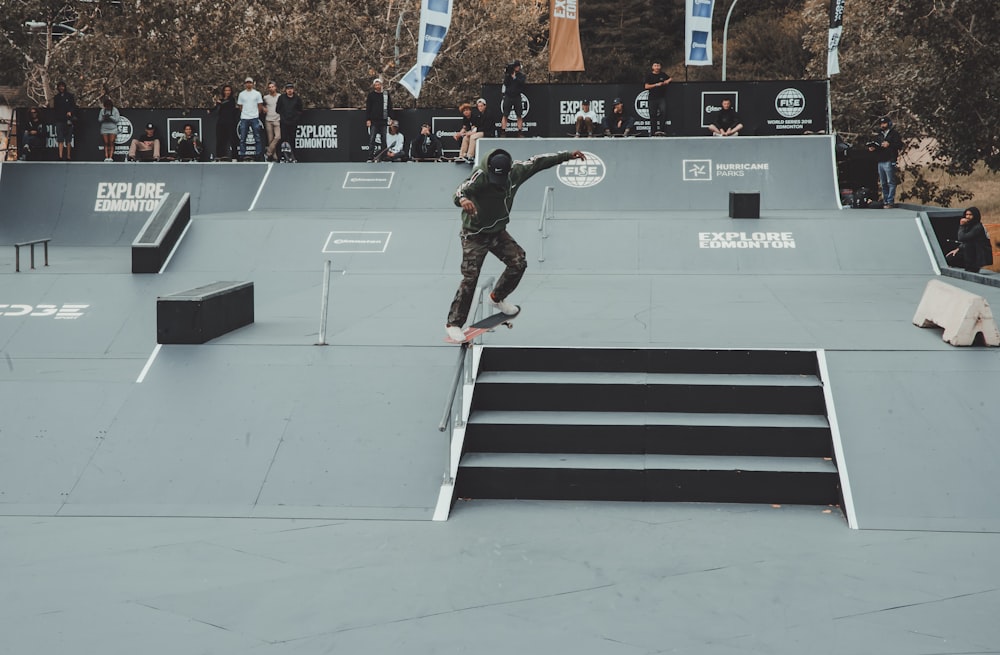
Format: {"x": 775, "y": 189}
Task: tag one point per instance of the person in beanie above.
{"x": 486, "y": 198}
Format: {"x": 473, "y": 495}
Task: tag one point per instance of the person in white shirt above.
{"x": 394, "y": 143}
{"x": 250, "y": 105}
{"x": 585, "y": 120}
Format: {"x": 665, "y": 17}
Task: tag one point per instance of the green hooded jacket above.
{"x": 493, "y": 202}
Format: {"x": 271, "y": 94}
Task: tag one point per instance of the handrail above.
{"x": 463, "y": 370}
{"x": 32, "y": 244}
{"x": 548, "y": 211}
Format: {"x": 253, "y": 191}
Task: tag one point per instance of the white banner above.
{"x": 698, "y": 32}
{"x": 435, "y": 17}
{"x": 833, "y": 39}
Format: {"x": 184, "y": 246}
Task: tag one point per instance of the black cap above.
{"x": 616, "y": 101}
{"x": 498, "y": 166}
{"x": 150, "y": 126}
{"x": 516, "y": 62}
{"x": 884, "y": 119}
{"x": 289, "y": 85}
{"x": 584, "y": 102}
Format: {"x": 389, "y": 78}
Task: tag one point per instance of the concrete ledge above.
{"x": 962, "y": 314}
{"x": 201, "y": 314}
{"x": 157, "y": 238}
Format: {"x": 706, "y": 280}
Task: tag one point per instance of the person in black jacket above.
{"x": 34, "y": 134}
{"x": 513, "y": 86}
{"x": 289, "y": 108}
{"x": 887, "y": 146}
{"x": 227, "y": 142}
{"x": 426, "y": 145}
{"x": 65, "y": 118}
{"x": 378, "y": 113}
{"x": 974, "y": 249}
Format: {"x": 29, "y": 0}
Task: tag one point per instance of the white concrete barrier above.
{"x": 961, "y": 313}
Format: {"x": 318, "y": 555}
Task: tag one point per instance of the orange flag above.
{"x": 564, "y": 36}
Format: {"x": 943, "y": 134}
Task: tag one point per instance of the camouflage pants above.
{"x": 474, "y": 249}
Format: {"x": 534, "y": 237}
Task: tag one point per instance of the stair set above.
{"x": 717, "y": 426}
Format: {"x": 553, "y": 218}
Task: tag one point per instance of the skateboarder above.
{"x": 486, "y": 199}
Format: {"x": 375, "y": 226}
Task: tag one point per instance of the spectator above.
{"x": 585, "y": 119}
{"x": 512, "y": 88}
{"x": 481, "y": 119}
{"x": 272, "y": 121}
{"x": 146, "y": 146}
{"x": 34, "y": 135}
{"x": 395, "y": 144}
{"x": 65, "y": 117}
{"x": 108, "y": 118}
{"x": 378, "y": 114}
{"x": 289, "y": 108}
{"x": 656, "y": 82}
{"x": 618, "y": 123}
{"x": 188, "y": 145}
{"x": 251, "y": 106}
{"x": 426, "y": 146}
{"x": 887, "y": 147}
{"x": 226, "y": 139}
{"x": 974, "y": 249}
{"x": 467, "y": 135}
{"x": 726, "y": 121}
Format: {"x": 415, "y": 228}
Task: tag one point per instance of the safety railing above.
{"x": 453, "y": 416}
{"x": 548, "y": 211}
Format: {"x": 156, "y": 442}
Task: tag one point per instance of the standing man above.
{"x": 289, "y": 108}
{"x": 726, "y": 121}
{"x": 486, "y": 198}
{"x": 251, "y": 104}
{"x": 656, "y": 84}
{"x": 887, "y": 147}
{"x": 272, "y": 121}
{"x": 65, "y": 110}
{"x": 513, "y": 86}
{"x": 378, "y": 113}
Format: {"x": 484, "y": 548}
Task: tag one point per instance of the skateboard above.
{"x": 487, "y": 325}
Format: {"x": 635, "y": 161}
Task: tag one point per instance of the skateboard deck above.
{"x": 487, "y": 325}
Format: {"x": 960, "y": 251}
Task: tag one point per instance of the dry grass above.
{"x": 985, "y": 189}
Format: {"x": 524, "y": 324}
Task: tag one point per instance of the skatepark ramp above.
{"x": 729, "y": 426}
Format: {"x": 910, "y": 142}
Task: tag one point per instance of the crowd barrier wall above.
{"x": 339, "y": 135}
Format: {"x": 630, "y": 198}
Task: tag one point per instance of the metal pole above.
{"x": 324, "y": 301}
{"x": 725, "y": 38}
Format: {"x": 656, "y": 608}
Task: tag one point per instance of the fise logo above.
{"x": 580, "y": 174}
{"x": 65, "y": 312}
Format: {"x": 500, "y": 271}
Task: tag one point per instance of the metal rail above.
{"x": 548, "y": 211}
{"x": 17, "y": 252}
{"x": 464, "y": 375}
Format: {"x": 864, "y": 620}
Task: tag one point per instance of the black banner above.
{"x": 340, "y": 135}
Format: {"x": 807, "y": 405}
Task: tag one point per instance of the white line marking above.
{"x": 927, "y": 245}
{"x": 838, "y": 446}
{"x": 174, "y": 249}
{"x": 149, "y": 363}
{"x": 261, "y": 187}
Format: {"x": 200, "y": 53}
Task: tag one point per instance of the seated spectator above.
{"x": 146, "y": 146}
{"x": 481, "y": 119}
{"x": 585, "y": 120}
{"x": 426, "y": 146}
{"x": 974, "y": 249}
{"x": 188, "y": 145}
{"x": 34, "y": 135}
{"x": 726, "y": 121}
{"x": 618, "y": 123}
{"x": 466, "y": 134}
{"x": 395, "y": 142}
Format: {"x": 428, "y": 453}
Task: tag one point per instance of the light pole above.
{"x": 725, "y": 38}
